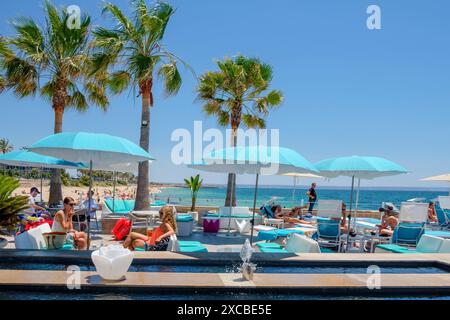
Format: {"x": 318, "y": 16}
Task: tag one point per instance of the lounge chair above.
{"x": 271, "y": 235}
{"x": 123, "y": 207}
{"x": 411, "y": 227}
{"x": 295, "y": 243}
{"x": 236, "y": 214}
{"x": 176, "y": 245}
{"x": 443, "y": 213}
{"x": 329, "y": 214}
{"x": 427, "y": 244}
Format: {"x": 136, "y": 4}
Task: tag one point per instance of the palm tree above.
{"x": 236, "y": 94}
{"x": 134, "y": 48}
{"x": 194, "y": 184}
{"x": 5, "y": 147}
{"x": 56, "y": 56}
{"x": 9, "y": 205}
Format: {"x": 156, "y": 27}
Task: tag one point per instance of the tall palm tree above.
{"x": 53, "y": 59}
{"x": 5, "y": 146}
{"x": 135, "y": 50}
{"x": 238, "y": 94}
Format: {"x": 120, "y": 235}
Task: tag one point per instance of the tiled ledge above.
{"x": 25, "y": 279}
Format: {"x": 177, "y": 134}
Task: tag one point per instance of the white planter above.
{"x": 194, "y": 215}
{"x": 112, "y": 262}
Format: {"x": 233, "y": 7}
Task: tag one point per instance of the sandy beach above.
{"x": 78, "y": 192}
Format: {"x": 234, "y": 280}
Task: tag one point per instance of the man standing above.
{"x": 312, "y": 195}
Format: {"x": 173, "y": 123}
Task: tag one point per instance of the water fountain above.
{"x": 247, "y": 268}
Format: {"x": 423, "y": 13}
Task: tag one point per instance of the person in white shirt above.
{"x": 32, "y": 201}
{"x": 94, "y": 205}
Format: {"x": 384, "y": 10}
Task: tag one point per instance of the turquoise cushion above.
{"x": 394, "y": 248}
{"x": 189, "y": 243}
{"x": 268, "y": 245}
{"x": 128, "y": 205}
{"x": 139, "y": 249}
{"x": 119, "y": 206}
{"x": 193, "y": 249}
{"x": 326, "y": 250}
{"x": 273, "y": 250}
{"x": 184, "y": 218}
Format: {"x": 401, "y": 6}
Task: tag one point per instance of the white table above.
{"x": 279, "y": 223}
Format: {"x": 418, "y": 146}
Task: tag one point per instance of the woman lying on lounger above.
{"x": 158, "y": 239}
{"x": 295, "y": 216}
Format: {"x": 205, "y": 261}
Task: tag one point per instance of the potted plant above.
{"x": 194, "y": 184}
{"x": 10, "y": 206}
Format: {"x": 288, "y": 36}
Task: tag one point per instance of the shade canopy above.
{"x": 440, "y": 178}
{"x": 102, "y": 149}
{"x": 26, "y": 158}
{"x": 359, "y": 167}
{"x": 255, "y": 160}
{"x": 303, "y": 175}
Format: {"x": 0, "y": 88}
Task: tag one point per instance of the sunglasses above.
{"x": 71, "y": 204}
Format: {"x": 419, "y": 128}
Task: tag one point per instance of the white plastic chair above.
{"x": 298, "y": 243}
{"x": 33, "y": 238}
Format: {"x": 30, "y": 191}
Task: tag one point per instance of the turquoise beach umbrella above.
{"x": 359, "y": 168}
{"x": 100, "y": 151}
{"x": 258, "y": 160}
{"x": 25, "y": 158}
{"x": 31, "y": 159}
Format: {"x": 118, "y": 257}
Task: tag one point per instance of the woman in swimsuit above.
{"x": 62, "y": 222}
{"x": 388, "y": 222}
{"x": 432, "y": 216}
{"x": 158, "y": 238}
{"x": 295, "y": 216}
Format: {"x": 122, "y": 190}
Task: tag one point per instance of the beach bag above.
{"x": 55, "y": 240}
{"x": 121, "y": 229}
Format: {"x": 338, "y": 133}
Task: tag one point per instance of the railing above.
{"x": 215, "y": 202}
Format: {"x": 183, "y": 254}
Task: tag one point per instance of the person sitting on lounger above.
{"x": 432, "y": 216}
{"x": 344, "y": 219}
{"x": 295, "y": 216}
{"x": 273, "y": 211}
{"x": 158, "y": 238}
{"x": 388, "y": 222}
{"x": 62, "y": 222}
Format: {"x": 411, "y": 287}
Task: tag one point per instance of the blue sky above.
{"x": 348, "y": 90}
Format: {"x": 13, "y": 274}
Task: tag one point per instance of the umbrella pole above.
{"x": 350, "y": 213}
{"x": 114, "y": 190}
{"x": 89, "y": 206}
{"x": 293, "y": 190}
{"x": 229, "y": 234}
{"x": 356, "y": 203}
{"x": 42, "y": 194}
{"x": 254, "y": 208}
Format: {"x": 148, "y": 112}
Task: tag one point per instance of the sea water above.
{"x": 369, "y": 199}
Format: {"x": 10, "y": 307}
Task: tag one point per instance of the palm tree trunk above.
{"x": 55, "y": 182}
{"x": 231, "y": 184}
{"x": 193, "y": 204}
{"x": 142, "y": 192}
